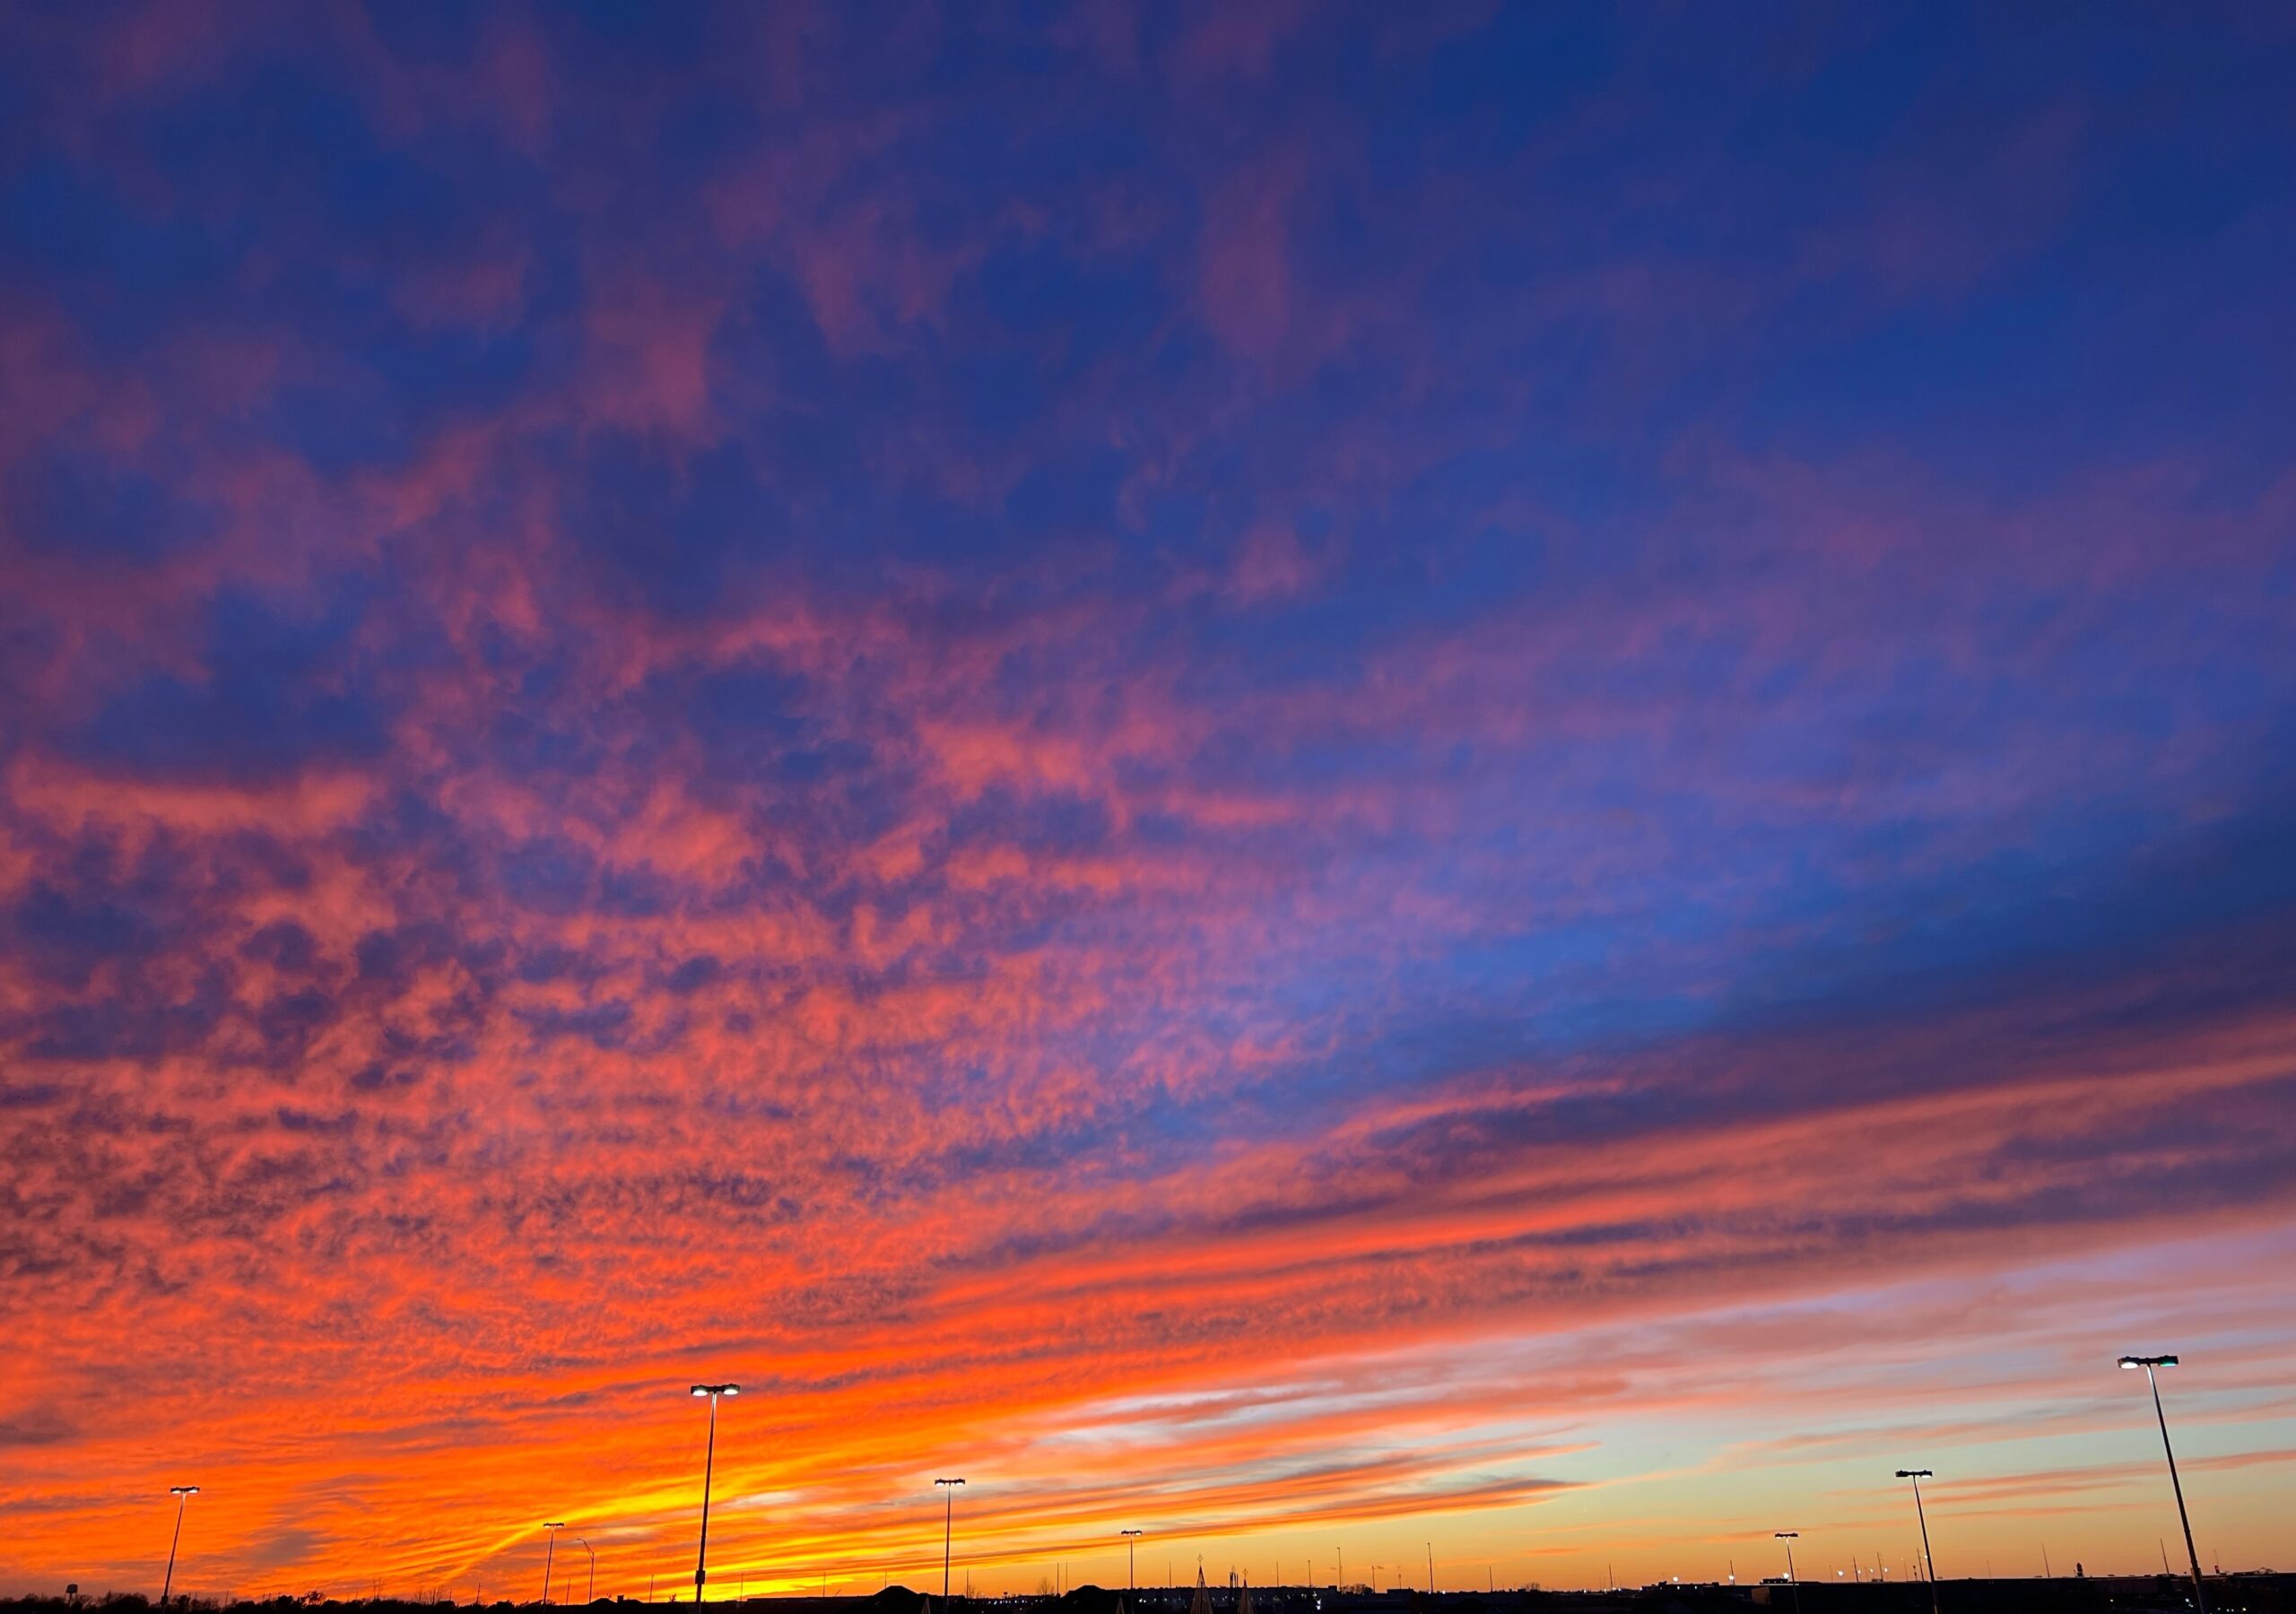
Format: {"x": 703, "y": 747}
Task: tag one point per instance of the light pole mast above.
{"x": 948, "y": 1489}
{"x": 1789, "y": 1537}
{"x": 592, "y": 1551}
{"x": 550, "y": 1557}
{"x": 1928, "y": 1558}
{"x": 2199, "y": 1594}
{"x": 709, "y": 1468}
{"x": 1131, "y": 1540}
{"x": 182, "y": 1494}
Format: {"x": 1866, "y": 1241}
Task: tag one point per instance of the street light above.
{"x": 1928, "y": 1558}
{"x": 2200, "y": 1597}
{"x": 948, "y": 1523}
{"x": 709, "y": 1466}
{"x": 1789, "y": 1537}
{"x": 592, "y": 1551}
{"x": 1131, "y": 1540}
{"x": 549, "y": 1557}
{"x": 182, "y": 1494}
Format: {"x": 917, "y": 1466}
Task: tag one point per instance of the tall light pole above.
{"x": 709, "y": 1467}
{"x": 1789, "y": 1537}
{"x": 550, "y": 1557}
{"x": 1928, "y": 1558}
{"x": 948, "y": 1489}
{"x": 2200, "y": 1596}
{"x": 592, "y": 1551}
{"x": 1131, "y": 1540}
{"x": 182, "y": 1494}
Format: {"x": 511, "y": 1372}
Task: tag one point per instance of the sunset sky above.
{"x": 1511, "y": 780}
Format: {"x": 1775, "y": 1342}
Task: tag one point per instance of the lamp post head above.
{"x": 713, "y": 1391}
{"x": 2141, "y": 1361}
{"x": 1787, "y": 1535}
{"x": 555, "y": 1524}
{"x": 1127, "y": 1532}
{"x": 1914, "y": 1475}
{"x": 948, "y": 1482}
{"x": 183, "y": 1490}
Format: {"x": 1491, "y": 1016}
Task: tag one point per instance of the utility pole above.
{"x": 2199, "y": 1592}
{"x": 182, "y": 1494}
{"x": 1929, "y": 1559}
{"x": 548, "y": 1557}
{"x": 709, "y": 1469}
{"x": 948, "y": 1526}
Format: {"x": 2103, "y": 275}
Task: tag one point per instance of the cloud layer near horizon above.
{"x": 1109, "y": 741}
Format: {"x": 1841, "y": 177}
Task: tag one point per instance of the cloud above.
{"x": 1291, "y": 775}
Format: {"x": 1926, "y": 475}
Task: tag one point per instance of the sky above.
{"x": 1500, "y": 784}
